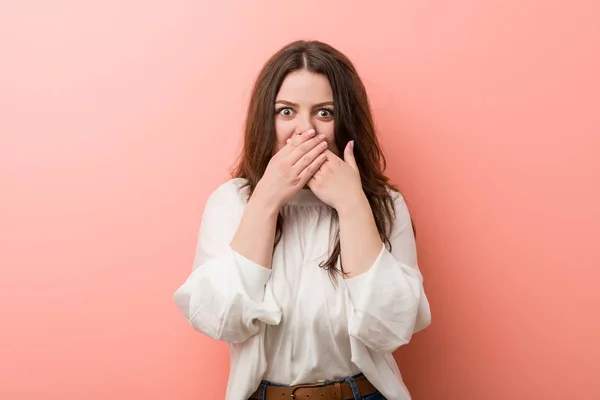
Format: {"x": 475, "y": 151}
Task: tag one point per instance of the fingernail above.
{"x": 310, "y": 132}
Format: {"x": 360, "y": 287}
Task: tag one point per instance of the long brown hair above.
{"x": 353, "y": 121}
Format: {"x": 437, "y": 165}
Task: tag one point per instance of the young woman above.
{"x": 306, "y": 262}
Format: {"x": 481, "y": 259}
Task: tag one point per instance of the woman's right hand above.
{"x": 290, "y": 168}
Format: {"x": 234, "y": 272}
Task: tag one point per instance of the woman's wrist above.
{"x": 354, "y": 204}
{"x": 268, "y": 206}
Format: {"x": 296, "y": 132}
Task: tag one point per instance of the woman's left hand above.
{"x": 337, "y": 183}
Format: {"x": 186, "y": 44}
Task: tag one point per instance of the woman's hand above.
{"x": 337, "y": 183}
{"x": 290, "y": 169}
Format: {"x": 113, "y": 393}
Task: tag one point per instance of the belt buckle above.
{"x": 320, "y": 383}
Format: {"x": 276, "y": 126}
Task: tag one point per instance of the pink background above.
{"x": 118, "y": 118}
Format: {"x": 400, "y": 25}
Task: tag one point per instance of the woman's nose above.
{"x": 304, "y": 123}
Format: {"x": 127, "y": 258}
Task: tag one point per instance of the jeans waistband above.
{"x": 350, "y": 381}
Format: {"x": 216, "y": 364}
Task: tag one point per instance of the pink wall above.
{"x": 118, "y": 118}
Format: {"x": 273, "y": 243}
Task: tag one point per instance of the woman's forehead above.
{"x": 302, "y": 86}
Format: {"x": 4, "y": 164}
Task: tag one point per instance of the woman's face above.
{"x": 304, "y": 101}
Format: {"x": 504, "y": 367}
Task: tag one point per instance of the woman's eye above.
{"x": 286, "y": 112}
{"x": 325, "y": 113}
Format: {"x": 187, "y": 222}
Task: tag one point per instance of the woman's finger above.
{"x": 309, "y": 157}
{"x": 309, "y": 171}
{"x": 303, "y": 148}
{"x": 297, "y": 139}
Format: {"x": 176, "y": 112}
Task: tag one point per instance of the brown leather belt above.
{"x": 332, "y": 391}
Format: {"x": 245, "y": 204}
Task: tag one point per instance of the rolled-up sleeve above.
{"x": 389, "y": 302}
{"x": 225, "y": 295}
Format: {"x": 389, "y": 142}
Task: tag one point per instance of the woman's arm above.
{"x": 224, "y": 296}
{"x": 385, "y": 287}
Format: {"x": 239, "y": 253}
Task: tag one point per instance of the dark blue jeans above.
{"x": 350, "y": 380}
{"x": 374, "y": 396}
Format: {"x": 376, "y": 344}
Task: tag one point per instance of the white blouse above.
{"x": 291, "y": 324}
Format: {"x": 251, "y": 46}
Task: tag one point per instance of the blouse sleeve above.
{"x": 388, "y": 301}
{"x": 224, "y": 297}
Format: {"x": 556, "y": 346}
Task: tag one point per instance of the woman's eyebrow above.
{"x": 287, "y": 103}
{"x": 325, "y": 103}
